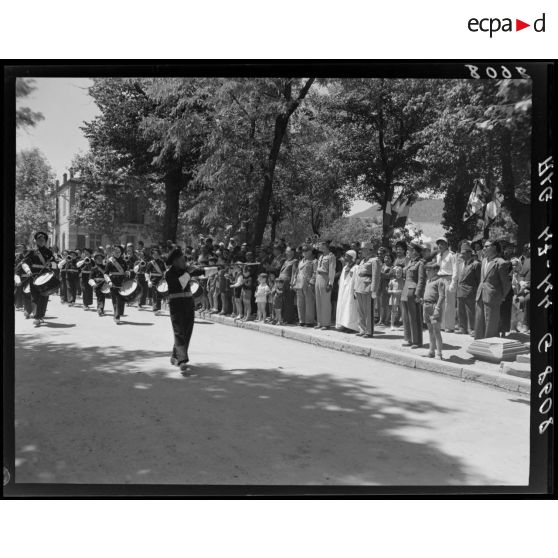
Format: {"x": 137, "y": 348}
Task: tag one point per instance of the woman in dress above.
{"x": 346, "y": 317}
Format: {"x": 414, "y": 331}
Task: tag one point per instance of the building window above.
{"x": 63, "y": 247}
{"x": 95, "y": 240}
{"x": 133, "y": 211}
{"x": 80, "y": 241}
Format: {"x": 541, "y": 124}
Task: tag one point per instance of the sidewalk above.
{"x": 386, "y": 345}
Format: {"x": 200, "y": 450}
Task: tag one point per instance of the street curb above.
{"x": 499, "y": 380}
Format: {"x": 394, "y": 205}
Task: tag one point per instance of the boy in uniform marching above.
{"x": 154, "y": 273}
{"x": 181, "y": 306}
{"x": 72, "y": 279}
{"x": 63, "y": 275}
{"x": 85, "y": 265}
{"x": 33, "y": 263}
{"x": 18, "y": 288}
{"x": 115, "y": 274}
{"x": 96, "y": 281}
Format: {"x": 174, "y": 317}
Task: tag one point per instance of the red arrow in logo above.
{"x": 519, "y": 25}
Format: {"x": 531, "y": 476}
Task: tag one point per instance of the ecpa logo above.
{"x": 494, "y": 24}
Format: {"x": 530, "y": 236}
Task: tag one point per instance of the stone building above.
{"x": 69, "y": 235}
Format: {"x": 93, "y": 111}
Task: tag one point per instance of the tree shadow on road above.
{"x": 95, "y": 415}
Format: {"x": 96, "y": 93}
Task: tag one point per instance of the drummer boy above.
{"x": 34, "y": 263}
{"x": 97, "y": 280}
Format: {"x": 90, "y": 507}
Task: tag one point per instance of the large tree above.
{"x": 481, "y": 134}
{"x": 380, "y": 134}
{"x": 238, "y": 176}
{"x": 154, "y": 127}
{"x": 34, "y": 197}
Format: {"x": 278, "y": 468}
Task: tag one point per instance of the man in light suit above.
{"x": 468, "y": 279}
{"x": 494, "y": 285}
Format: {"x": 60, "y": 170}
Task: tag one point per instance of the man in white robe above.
{"x": 347, "y": 307}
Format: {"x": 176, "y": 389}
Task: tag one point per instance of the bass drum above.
{"x": 195, "y": 288}
{"x": 46, "y": 283}
{"x": 162, "y": 287}
{"x": 130, "y": 290}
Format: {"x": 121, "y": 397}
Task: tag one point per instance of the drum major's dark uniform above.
{"x": 181, "y": 307}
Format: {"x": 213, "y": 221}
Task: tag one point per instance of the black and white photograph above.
{"x": 318, "y": 280}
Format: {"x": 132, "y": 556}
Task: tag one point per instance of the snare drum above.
{"x": 46, "y": 283}
{"x": 130, "y": 290}
{"x": 105, "y": 288}
{"x": 162, "y": 287}
{"x": 17, "y": 280}
{"x": 195, "y": 288}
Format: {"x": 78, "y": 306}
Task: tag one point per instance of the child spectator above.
{"x": 278, "y": 294}
{"x": 395, "y": 288}
{"x": 383, "y": 295}
{"x": 236, "y": 288}
{"x": 262, "y": 293}
{"x": 433, "y": 306}
{"x": 205, "y": 306}
{"x": 269, "y": 307}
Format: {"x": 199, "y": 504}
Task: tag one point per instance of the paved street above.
{"x": 100, "y": 403}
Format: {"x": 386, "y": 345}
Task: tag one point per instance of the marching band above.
{"x": 121, "y": 273}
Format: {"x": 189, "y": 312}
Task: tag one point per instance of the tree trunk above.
{"x": 520, "y": 212}
{"x": 265, "y": 197}
{"x": 386, "y": 227}
{"x": 273, "y": 228}
{"x": 281, "y": 122}
{"x": 173, "y": 186}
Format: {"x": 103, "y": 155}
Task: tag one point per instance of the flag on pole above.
{"x": 493, "y": 207}
{"x": 387, "y": 214}
{"x": 477, "y": 200}
{"x": 401, "y": 210}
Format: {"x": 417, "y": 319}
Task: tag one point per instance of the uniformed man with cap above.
{"x": 34, "y": 263}
{"x": 181, "y": 305}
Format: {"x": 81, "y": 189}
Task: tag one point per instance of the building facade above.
{"x": 68, "y": 235}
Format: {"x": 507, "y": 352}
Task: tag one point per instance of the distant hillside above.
{"x": 423, "y": 211}
{"x": 427, "y": 214}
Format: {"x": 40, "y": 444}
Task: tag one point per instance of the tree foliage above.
{"x": 34, "y": 199}
{"x": 264, "y": 157}
{"x": 25, "y": 117}
{"x": 381, "y": 125}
